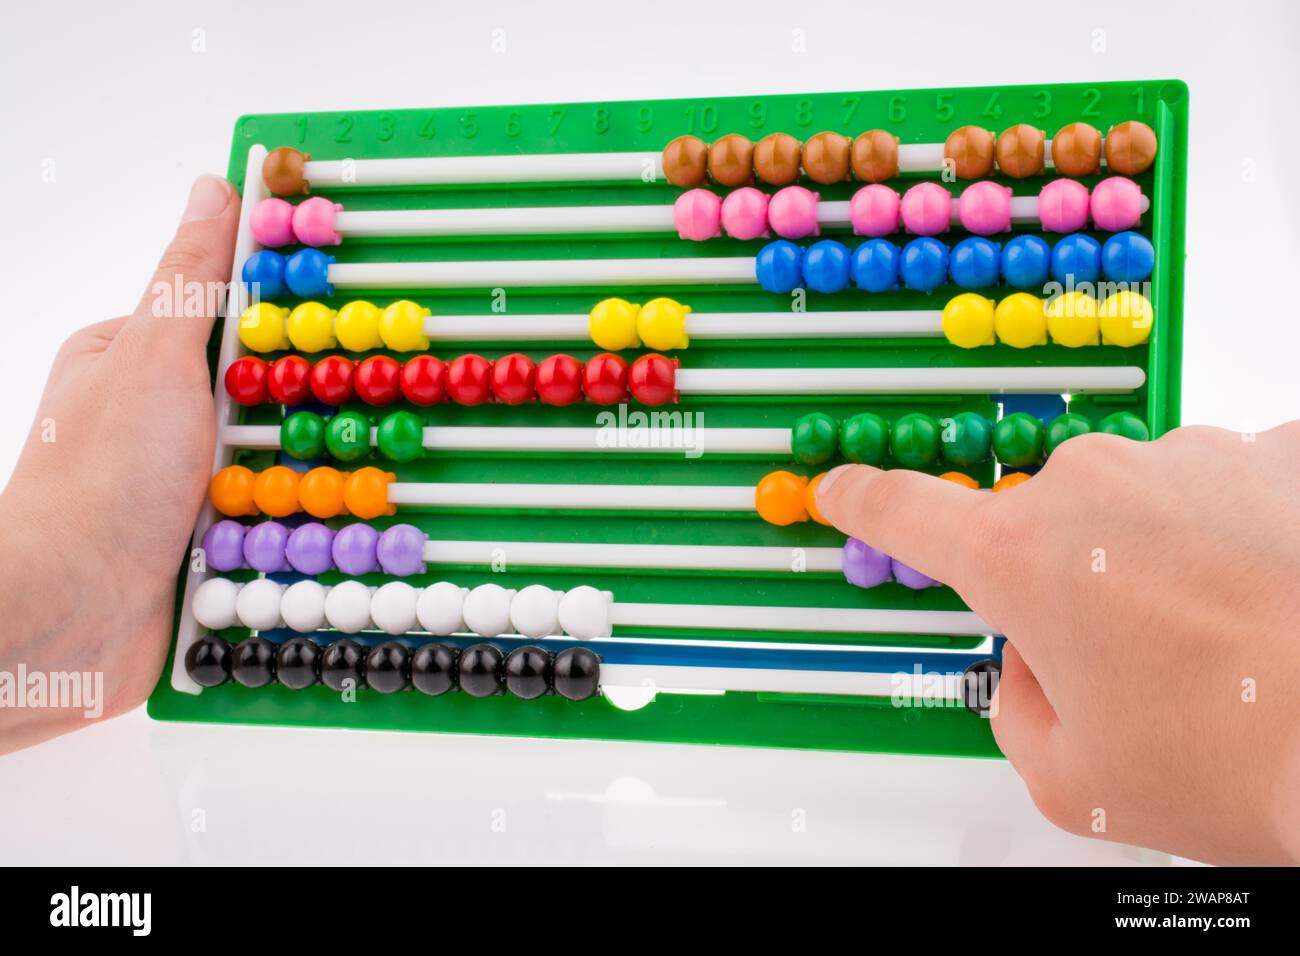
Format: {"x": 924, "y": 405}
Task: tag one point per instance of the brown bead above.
{"x": 776, "y": 159}
{"x": 1130, "y": 148}
{"x": 970, "y": 150}
{"x": 875, "y": 156}
{"x": 1020, "y": 151}
{"x": 826, "y": 158}
{"x": 1076, "y": 150}
{"x": 731, "y": 160}
{"x": 684, "y": 160}
{"x": 283, "y": 172}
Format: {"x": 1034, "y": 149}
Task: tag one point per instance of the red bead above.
{"x": 559, "y": 380}
{"x": 377, "y": 380}
{"x": 604, "y": 379}
{"x": 422, "y": 380}
{"x": 287, "y": 380}
{"x": 512, "y": 379}
{"x": 653, "y": 380}
{"x": 331, "y": 380}
{"x": 469, "y": 380}
{"x": 246, "y": 380}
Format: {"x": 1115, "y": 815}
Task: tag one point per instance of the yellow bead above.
{"x": 1021, "y": 321}
{"x": 311, "y": 327}
{"x": 402, "y": 327}
{"x": 1126, "y": 319}
{"x": 261, "y": 328}
{"x": 1072, "y": 320}
{"x": 357, "y": 326}
{"x": 662, "y": 325}
{"x": 612, "y": 325}
{"x": 968, "y": 321}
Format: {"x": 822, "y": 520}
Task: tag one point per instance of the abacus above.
{"x": 521, "y": 411}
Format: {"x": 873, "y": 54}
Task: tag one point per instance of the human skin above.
{"x": 1150, "y": 594}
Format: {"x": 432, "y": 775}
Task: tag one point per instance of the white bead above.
{"x": 303, "y": 606}
{"x": 258, "y": 604}
{"x": 584, "y": 613}
{"x": 392, "y": 607}
{"x": 487, "y": 610}
{"x": 440, "y": 609}
{"x": 347, "y": 607}
{"x": 534, "y": 611}
{"x": 214, "y": 603}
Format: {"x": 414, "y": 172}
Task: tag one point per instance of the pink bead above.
{"x": 696, "y": 214}
{"x": 792, "y": 213}
{"x": 1116, "y": 204}
{"x": 984, "y": 208}
{"x": 873, "y": 211}
{"x": 744, "y": 213}
{"x": 926, "y": 209}
{"x": 313, "y": 222}
{"x": 272, "y": 223}
{"x": 1063, "y": 206}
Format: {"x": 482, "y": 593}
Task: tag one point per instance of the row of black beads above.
{"x": 482, "y": 670}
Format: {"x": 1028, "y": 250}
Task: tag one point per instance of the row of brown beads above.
{"x": 1077, "y": 148}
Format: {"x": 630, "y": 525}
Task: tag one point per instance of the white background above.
{"x": 129, "y": 113}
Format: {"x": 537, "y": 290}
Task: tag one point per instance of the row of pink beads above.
{"x": 276, "y": 223}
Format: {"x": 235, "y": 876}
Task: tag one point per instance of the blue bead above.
{"x": 925, "y": 264}
{"x": 306, "y": 273}
{"x": 974, "y": 263}
{"x": 875, "y": 265}
{"x": 778, "y": 266}
{"x": 263, "y": 273}
{"x": 1076, "y": 259}
{"x": 1128, "y": 257}
{"x": 1027, "y": 262}
{"x": 826, "y": 266}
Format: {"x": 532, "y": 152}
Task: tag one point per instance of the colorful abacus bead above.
{"x": 779, "y": 498}
{"x": 604, "y": 380}
{"x": 246, "y": 379}
{"x": 652, "y": 380}
{"x": 513, "y": 379}
{"x": 377, "y": 380}
{"x": 423, "y": 380}
{"x": 559, "y": 380}
{"x": 697, "y": 215}
{"x": 288, "y": 380}
{"x": 469, "y": 380}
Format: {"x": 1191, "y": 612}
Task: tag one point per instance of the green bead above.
{"x": 302, "y": 435}
{"x": 914, "y": 440}
{"x": 400, "y": 436}
{"x": 1126, "y": 425}
{"x": 348, "y": 436}
{"x": 1018, "y": 440}
{"x": 966, "y": 438}
{"x": 864, "y": 439}
{"x": 1064, "y": 427}
{"x": 813, "y": 438}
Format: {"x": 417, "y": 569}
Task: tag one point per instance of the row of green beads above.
{"x": 346, "y": 436}
{"x": 918, "y": 440}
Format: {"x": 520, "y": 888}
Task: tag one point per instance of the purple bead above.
{"x": 912, "y": 578}
{"x": 401, "y": 550}
{"x": 308, "y": 549}
{"x": 864, "y": 565}
{"x": 223, "y": 545}
{"x": 264, "y": 547}
{"x": 354, "y": 549}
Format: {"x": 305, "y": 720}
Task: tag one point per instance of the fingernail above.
{"x": 828, "y": 479}
{"x": 209, "y": 197}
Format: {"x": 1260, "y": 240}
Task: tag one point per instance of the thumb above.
{"x": 189, "y": 286}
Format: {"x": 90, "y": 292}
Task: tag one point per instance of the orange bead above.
{"x": 960, "y": 478}
{"x": 1011, "y": 480}
{"x": 780, "y": 498}
{"x": 276, "y": 491}
{"x": 231, "y": 491}
{"x": 366, "y": 493}
{"x": 810, "y": 500}
{"x": 321, "y": 492}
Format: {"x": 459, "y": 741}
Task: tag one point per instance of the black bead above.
{"x": 576, "y": 673}
{"x": 432, "y": 669}
{"x": 480, "y": 670}
{"x": 252, "y": 663}
{"x": 978, "y": 683}
{"x": 528, "y": 672}
{"x": 341, "y": 662}
{"x": 386, "y": 667}
{"x": 208, "y": 661}
{"x": 295, "y": 663}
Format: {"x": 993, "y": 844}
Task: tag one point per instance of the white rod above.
{"x": 737, "y": 270}
{"x": 461, "y": 170}
{"x": 599, "y": 497}
{"x": 821, "y": 619}
{"x": 908, "y": 381}
{"x": 685, "y": 557}
{"x": 665, "y": 679}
